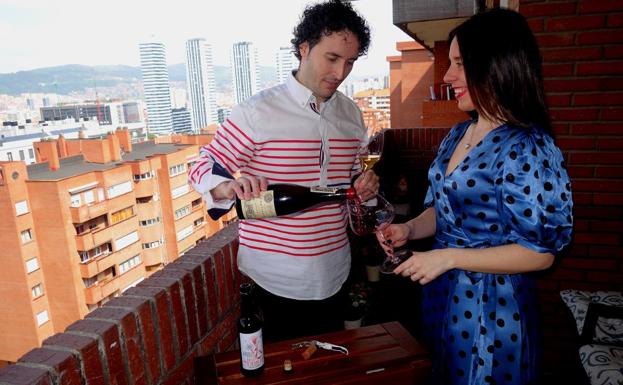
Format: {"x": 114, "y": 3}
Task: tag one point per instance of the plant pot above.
{"x": 373, "y": 273}
{"x": 353, "y": 324}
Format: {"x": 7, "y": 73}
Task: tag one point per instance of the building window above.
{"x": 198, "y": 222}
{"x": 42, "y": 317}
{"x": 95, "y": 252}
{"x": 26, "y": 236}
{"x": 21, "y": 155}
{"x": 149, "y": 222}
{"x": 179, "y": 191}
{"x": 89, "y": 196}
{"x": 130, "y": 263}
{"x": 21, "y": 208}
{"x": 32, "y": 265}
{"x": 119, "y": 189}
{"x": 184, "y": 233}
{"x": 75, "y": 200}
{"x": 182, "y": 212}
{"x": 177, "y": 169}
{"x": 9, "y": 156}
{"x": 126, "y": 240}
{"x": 31, "y": 153}
{"x": 121, "y": 215}
{"x": 37, "y": 290}
{"x": 152, "y": 245}
{"x": 88, "y": 282}
{"x": 143, "y": 176}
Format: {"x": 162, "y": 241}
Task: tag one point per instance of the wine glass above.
{"x": 372, "y": 216}
{"x": 372, "y": 152}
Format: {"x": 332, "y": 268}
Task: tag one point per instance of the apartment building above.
{"x": 91, "y": 219}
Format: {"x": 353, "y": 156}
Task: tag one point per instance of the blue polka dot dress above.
{"x": 511, "y": 188}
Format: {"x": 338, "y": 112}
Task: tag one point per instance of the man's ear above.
{"x": 304, "y": 50}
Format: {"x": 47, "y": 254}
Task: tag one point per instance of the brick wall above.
{"x": 151, "y": 333}
{"x": 582, "y": 47}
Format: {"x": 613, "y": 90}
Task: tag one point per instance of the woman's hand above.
{"x": 426, "y": 266}
{"x": 393, "y": 236}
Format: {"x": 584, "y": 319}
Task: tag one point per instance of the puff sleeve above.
{"x": 535, "y": 198}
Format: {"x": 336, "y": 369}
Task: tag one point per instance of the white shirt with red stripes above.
{"x": 282, "y": 134}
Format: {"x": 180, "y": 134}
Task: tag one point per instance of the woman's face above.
{"x": 456, "y": 77}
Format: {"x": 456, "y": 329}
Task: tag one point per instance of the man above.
{"x": 301, "y": 132}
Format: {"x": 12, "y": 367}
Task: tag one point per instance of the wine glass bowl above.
{"x": 394, "y": 259}
{"x": 369, "y": 216}
{"x": 372, "y": 152}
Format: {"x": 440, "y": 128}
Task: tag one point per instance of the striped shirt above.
{"x": 283, "y": 135}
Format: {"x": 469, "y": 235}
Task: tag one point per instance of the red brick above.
{"x": 604, "y": 185}
{"x": 599, "y": 37}
{"x": 606, "y": 226}
{"x": 549, "y": 9}
{"x": 536, "y": 25}
{"x": 575, "y": 85}
{"x": 87, "y": 349}
{"x": 580, "y": 171}
{"x": 209, "y": 344}
{"x": 63, "y": 364}
{"x": 574, "y": 114}
{"x": 177, "y": 313}
{"x": 572, "y": 54}
{"x": 588, "y": 286}
{"x": 613, "y": 51}
{"x": 599, "y": 99}
{"x": 593, "y": 6}
{"x": 610, "y": 144}
{"x": 164, "y": 328}
{"x": 597, "y": 212}
{"x": 612, "y": 114}
{"x": 600, "y": 276}
{"x": 183, "y": 374}
{"x": 142, "y": 309}
{"x": 608, "y": 199}
{"x": 596, "y": 128}
{"x": 19, "y": 374}
{"x": 615, "y": 20}
{"x": 131, "y": 341}
{"x": 594, "y": 158}
{"x": 560, "y": 100}
{"x": 611, "y": 83}
{"x": 108, "y": 335}
{"x": 221, "y": 285}
{"x": 596, "y": 238}
{"x": 210, "y": 274}
{"x": 575, "y": 143}
{"x": 581, "y": 198}
{"x": 568, "y": 274}
{"x": 575, "y": 22}
{"x": 233, "y": 291}
{"x": 194, "y": 267}
{"x": 606, "y": 252}
{"x": 560, "y": 128}
{"x": 555, "y": 40}
{"x": 612, "y": 67}
{"x": 557, "y": 70}
{"x": 580, "y": 225}
{"x": 609, "y": 172}
{"x": 188, "y": 297}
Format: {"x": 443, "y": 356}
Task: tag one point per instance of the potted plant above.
{"x": 358, "y": 305}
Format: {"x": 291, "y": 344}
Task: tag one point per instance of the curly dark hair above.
{"x": 327, "y": 18}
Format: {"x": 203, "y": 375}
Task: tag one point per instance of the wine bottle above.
{"x": 282, "y": 199}
{"x": 250, "y": 334}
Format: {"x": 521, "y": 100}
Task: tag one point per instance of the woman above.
{"x": 499, "y": 205}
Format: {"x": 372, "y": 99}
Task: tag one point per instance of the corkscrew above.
{"x": 321, "y": 345}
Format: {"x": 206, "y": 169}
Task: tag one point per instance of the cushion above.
{"x": 608, "y": 330}
{"x": 603, "y": 363}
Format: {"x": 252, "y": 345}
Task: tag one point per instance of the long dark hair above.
{"x": 502, "y": 65}
{"x": 326, "y": 18}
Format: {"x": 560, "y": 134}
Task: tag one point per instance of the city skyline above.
{"x": 112, "y": 35}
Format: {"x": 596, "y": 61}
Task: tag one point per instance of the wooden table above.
{"x": 378, "y": 354}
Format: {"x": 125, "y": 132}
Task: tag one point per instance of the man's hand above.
{"x": 245, "y": 187}
{"x": 367, "y": 185}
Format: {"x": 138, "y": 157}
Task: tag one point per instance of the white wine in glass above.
{"x": 373, "y": 151}
{"x": 369, "y": 160}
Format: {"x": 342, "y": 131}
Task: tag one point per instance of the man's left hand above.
{"x": 367, "y": 185}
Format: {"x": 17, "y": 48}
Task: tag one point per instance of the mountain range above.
{"x": 70, "y": 78}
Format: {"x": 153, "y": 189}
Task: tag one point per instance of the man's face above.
{"x": 325, "y": 66}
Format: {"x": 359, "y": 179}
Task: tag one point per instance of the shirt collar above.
{"x": 302, "y": 95}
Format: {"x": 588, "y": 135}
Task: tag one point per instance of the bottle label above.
{"x": 329, "y": 190}
{"x": 252, "y": 350}
{"x": 262, "y": 207}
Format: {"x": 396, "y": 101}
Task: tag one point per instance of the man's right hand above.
{"x": 245, "y": 187}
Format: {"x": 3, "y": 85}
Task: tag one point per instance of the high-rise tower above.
{"x": 156, "y": 87}
{"x": 286, "y": 62}
{"x": 245, "y": 70}
{"x": 200, "y": 80}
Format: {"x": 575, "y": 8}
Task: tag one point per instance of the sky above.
{"x": 44, "y": 33}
